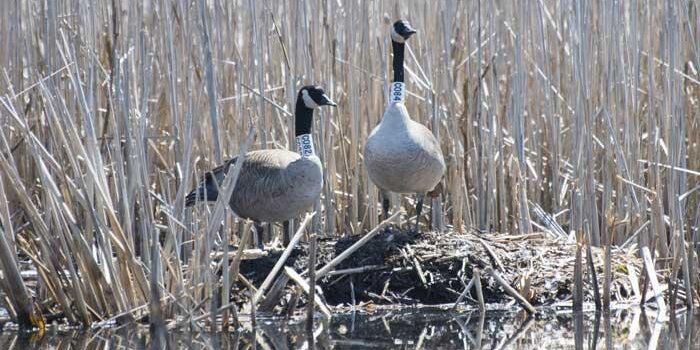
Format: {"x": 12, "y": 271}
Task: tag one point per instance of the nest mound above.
{"x": 407, "y": 268}
{"x": 433, "y": 268}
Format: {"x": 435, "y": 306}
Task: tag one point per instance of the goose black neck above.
{"x": 398, "y": 60}
{"x": 303, "y": 117}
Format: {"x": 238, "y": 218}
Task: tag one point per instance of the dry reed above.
{"x": 110, "y": 111}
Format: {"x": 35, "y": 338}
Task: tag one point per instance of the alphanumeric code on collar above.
{"x": 397, "y": 93}
{"x": 305, "y": 145}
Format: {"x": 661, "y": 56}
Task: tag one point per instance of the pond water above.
{"x": 422, "y": 329}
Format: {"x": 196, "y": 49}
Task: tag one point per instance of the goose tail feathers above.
{"x": 202, "y": 193}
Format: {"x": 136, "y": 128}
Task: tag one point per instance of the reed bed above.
{"x": 581, "y": 118}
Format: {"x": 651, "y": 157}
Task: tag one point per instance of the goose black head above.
{"x": 314, "y": 96}
{"x": 401, "y": 31}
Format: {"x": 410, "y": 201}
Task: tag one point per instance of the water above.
{"x": 424, "y": 329}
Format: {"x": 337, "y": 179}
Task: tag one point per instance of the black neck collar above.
{"x": 398, "y": 49}
{"x": 303, "y": 117}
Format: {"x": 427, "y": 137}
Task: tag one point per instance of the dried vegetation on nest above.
{"x": 400, "y": 267}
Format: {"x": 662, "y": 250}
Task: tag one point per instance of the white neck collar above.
{"x": 397, "y": 92}
{"x": 305, "y": 145}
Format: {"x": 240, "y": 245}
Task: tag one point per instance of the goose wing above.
{"x": 261, "y": 173}
{"x": 208, "y": 188}
{"x": 427, "y": 141}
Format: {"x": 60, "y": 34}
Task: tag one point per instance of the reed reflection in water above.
{"x": 424, "y": 329}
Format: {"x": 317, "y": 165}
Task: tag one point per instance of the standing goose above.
{"x": 274, "y": 184}
{"x": 402, "y": 155}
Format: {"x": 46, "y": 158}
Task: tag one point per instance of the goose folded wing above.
{"x": 209, "y": 183}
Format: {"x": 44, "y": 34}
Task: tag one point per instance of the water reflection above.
{"x": 424, "y": 329}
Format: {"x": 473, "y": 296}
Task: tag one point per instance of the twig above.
{"x": 246, "y": 254}
{"x": 549, "y": 221}
{"x": 593, "y": 276}
{"x": 28, "y": 315}
{"x": 411, "y": 256}
{"x": 464, "y": 293}
{"x": 280, "y": 262}
{"x": 292, "y": 302}
{"x": 219, "y": 310}
{"x": 344, "y": 255}
{"x": 236, "y": 263}
{"x": 525, "y": 237}
{"x": 272, "y": 298}
{"x": 510, "y": 290}
{"x": 253, "y": 311}
{"x": 247, "y": 284}
{"x": 651, "y": 273}
{"x": 479, "y": 291}
{"x": 494, "y": 258}
{"x": 305, "y": 287}
{"x": 312, "y": 286}
{"x": 356, "y": 270}
{"x": 578, "y": 275}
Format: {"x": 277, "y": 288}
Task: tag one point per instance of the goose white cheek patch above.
{"x": 397, "y": 93}
{"x": 305, "y": 145}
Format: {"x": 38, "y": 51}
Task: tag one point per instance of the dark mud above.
{"x": 406, "y": 268}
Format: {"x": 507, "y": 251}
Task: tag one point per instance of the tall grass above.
{"x": 110, "y": 110}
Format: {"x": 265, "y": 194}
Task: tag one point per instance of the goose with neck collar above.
{"x": 274, "y": 185}
{"x": 401, "y": 155}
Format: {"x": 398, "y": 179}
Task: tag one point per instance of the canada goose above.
{"x": 274, "y": 184}
{"x": 402, "y": 155}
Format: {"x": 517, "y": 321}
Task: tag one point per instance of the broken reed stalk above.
{"x": 225, "y": 282}
{"x": 495, "y": 261}
{"x": 253, "y": 310}
{"x": 236, "y": 262}
{"x": 221, "y": 309}
{"x": 510, "y": 290}
{"x": 593, "y": 277}
{"x": 578, "y": 277}
{"x": 156, "y": 318}
{"x": 355, "y": 270}
{"x": 229, "y": 183}
{"x": 301, "y": 282}
{"x": 607, "y": 267}
{"x": 293, "y": 302}
{"x": 464, "y": 293}
{"x": 651, "y": 275}
{"x": 312, "y": 285}
{"x": 25, "y": 311}
{"x": 267, "y": 304}
{"x": 411, "y": 257}
{"x": 283, "y": 258}
{"x": 479, "y": 291}
{"x": 357, "y": 245}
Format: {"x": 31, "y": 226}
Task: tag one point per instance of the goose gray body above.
{"x": 402, "y": 155}
{"x": 273, "y": 185}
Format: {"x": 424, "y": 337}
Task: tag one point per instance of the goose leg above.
{"x": 385, "y": 205}
{"x": 419, "y": 209}
{"x": 267, "y": 234}
{"x": 259, "y": 235}
{"x": 285, "y": 233}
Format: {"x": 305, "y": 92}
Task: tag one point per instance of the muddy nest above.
{"x": 408, "y": 268}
